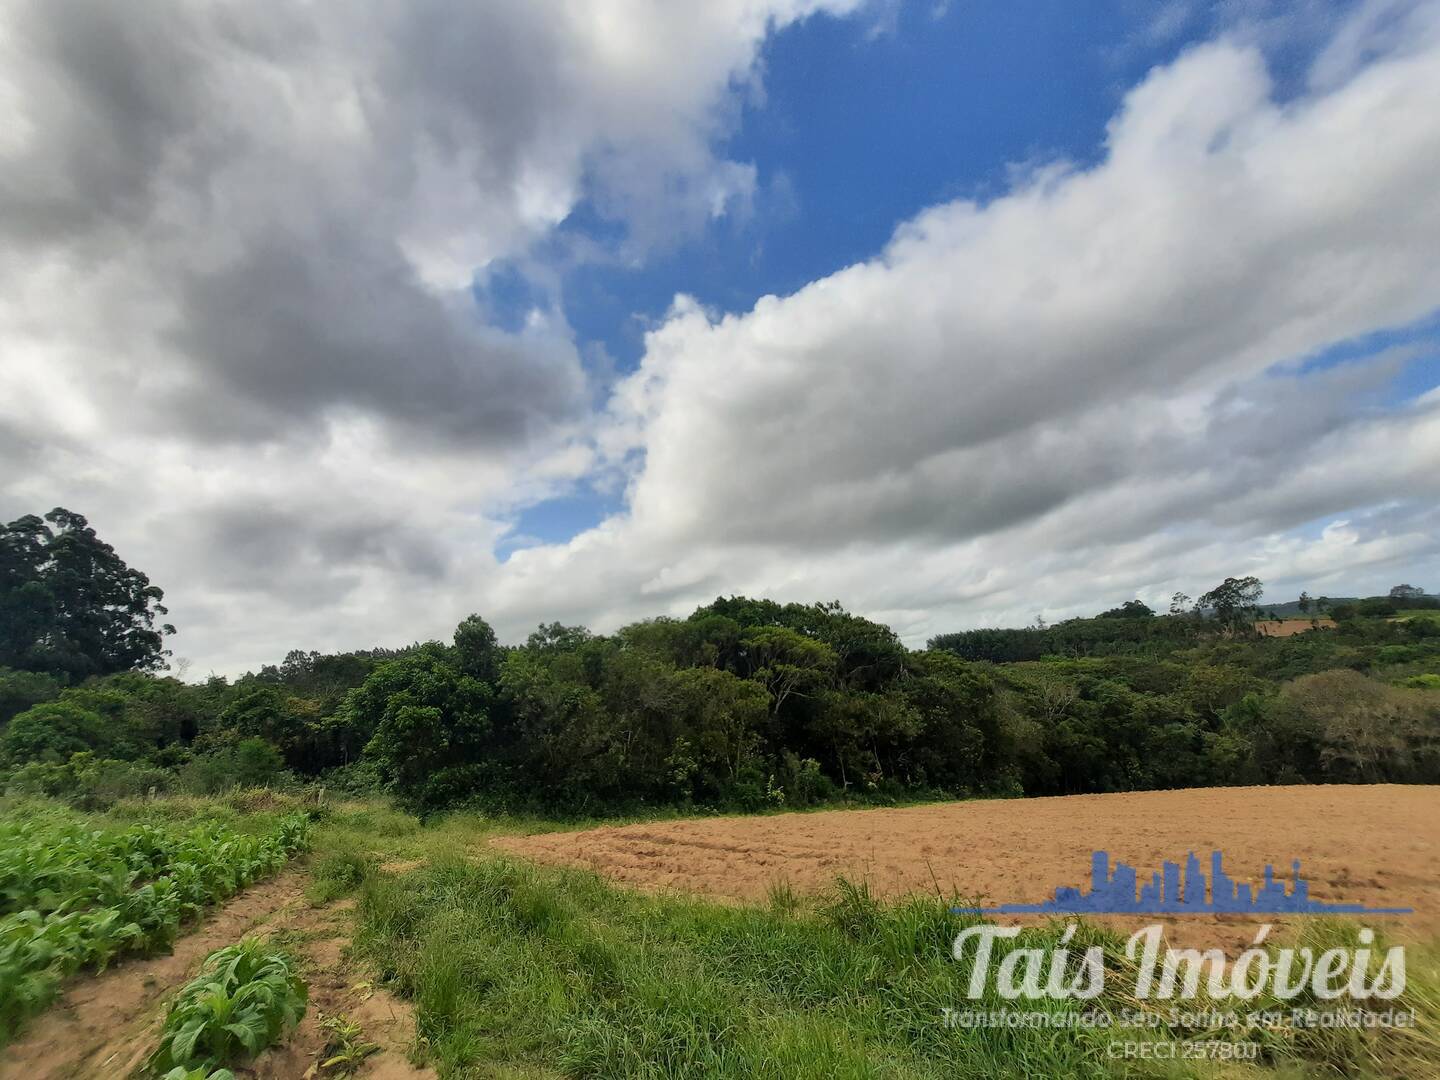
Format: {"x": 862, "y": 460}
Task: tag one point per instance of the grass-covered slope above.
{"x": 518, "y": 970}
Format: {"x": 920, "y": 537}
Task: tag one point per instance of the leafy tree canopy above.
{"x": 70, "y": 605}
{"x": 1234, "y": 601}
{"x": 1131, "y": 609}
{"x": 426, "y": 715}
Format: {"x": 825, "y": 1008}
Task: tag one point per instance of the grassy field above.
{"x": 518, "y": 970}
{"x": 522, "y": 970}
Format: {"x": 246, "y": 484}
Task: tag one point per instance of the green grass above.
{"x": 518, "y": 970}
{"x": 511, "y": 965}
{"x": 338, "y": 872}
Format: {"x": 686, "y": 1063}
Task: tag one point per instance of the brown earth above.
{"x": 1377, "y": 845}
{"x": 105, "y": 1026}
{"x": 1291, "y": 627}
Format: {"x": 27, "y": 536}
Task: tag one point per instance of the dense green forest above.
{"x": 745, "y": 704}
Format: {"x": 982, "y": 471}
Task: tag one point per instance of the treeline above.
{"x": 1102, "y": 636}
{"x": 749, "y": 704}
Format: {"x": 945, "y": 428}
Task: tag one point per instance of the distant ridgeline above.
{"x": 1116, "y": 634}
{"x": 1074, "y": 637}
{"x": 1291, "y": 608}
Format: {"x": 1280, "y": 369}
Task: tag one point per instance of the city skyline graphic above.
{"x": 1169, "y": 893}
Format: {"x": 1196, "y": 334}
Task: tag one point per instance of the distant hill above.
{"x": 1291, "y": 608}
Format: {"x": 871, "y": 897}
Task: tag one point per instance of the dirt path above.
{"x": 321, "y": 938}
{"x": 104, "y": 1027}
{"x": 1377, "y": 845}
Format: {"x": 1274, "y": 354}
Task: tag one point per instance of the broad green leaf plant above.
{"x": 246, "y": 997}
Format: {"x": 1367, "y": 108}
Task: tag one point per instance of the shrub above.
{"x": 804, "y": 783}
{"x": 51, "y": 732}
{"x": 1368, "y": 731}
{"x": 1398, "y": 654}
{"x": 361, "y": 777}
{"x": 248, "y": 763}
{"x": 19, "y": 690}
{"x": 88, "y": 783}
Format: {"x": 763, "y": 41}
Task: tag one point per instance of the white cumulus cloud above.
{"x": 238, "y": 333}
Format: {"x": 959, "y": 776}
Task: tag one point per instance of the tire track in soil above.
{"x": 104, "y": 1026}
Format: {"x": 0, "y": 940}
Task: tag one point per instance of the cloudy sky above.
{"x": 343, "y": 320}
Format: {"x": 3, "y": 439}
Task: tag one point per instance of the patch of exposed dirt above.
{"x": 105, "y": 1026}
{"x": 1376, "y": 845}
{"x": 1291, "y": 627}
{"x": 321, "y": 938}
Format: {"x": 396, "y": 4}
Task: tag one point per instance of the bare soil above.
{"x": 1291, "y": 627}
{"x": 1377, "y": 845}
{"x": 105, "y": 1026}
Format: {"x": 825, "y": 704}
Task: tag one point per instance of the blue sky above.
{"x": 864, "y": 122}
{"x": 861, "y": 126}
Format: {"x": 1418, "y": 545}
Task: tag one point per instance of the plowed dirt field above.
{"x": 1376, "y": 845}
